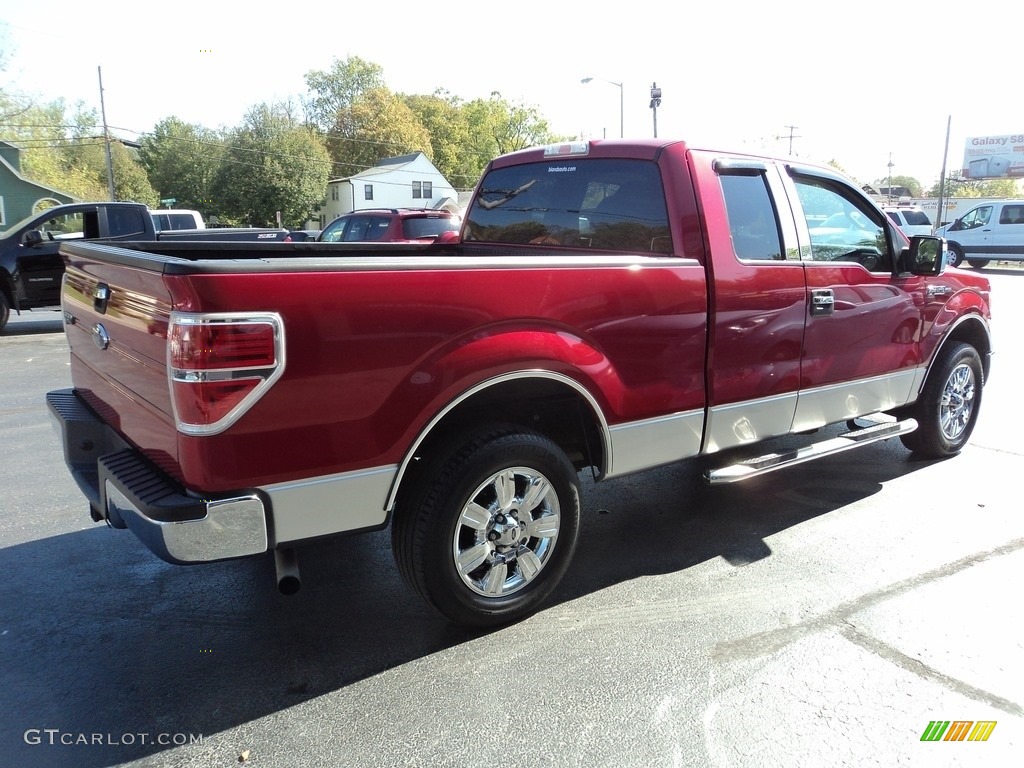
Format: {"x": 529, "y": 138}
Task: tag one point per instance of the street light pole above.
{"x": 655, "y": 103}
{"x": 622, "y": 102}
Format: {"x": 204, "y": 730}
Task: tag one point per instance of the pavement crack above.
{"x": 916, "y": 666}
{"x": 765, "y": 643}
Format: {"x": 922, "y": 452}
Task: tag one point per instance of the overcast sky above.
{"x": 859, "y": 82}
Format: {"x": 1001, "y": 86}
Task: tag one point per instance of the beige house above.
{"x": 407, "y": 181}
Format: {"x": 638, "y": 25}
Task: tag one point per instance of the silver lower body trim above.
{"x": 641, "y": 445}
{"x": 750, "y": 421}
{"x": 320, "y": 506}
{"x": 838, "y": 402}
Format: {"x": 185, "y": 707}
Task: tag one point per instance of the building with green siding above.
{"x": 20, "y": 197}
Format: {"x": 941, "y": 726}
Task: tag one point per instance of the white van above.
{"x": 992, "y": 230}
{"x": 166, "y": 219}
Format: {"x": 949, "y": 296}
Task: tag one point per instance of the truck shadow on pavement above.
{"x": 101, "y": 637}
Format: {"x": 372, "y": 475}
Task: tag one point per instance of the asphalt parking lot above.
{"x": 825, "y": 615}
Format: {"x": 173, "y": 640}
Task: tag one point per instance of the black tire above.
{"x": 948, "y": 406}
{"x": 978, "y": 263}
{"x": 506, "y": 504}
{"x": 956, "y": 254}
{"x": 5, "y": 311}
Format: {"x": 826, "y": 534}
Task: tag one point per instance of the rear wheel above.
{"x": 948, "y": 407}
{"x": 978, "y": 263}
{"x": 486, "y": 535}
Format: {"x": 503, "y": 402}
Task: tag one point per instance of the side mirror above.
{"x": 33, "y": 238}
{"x": 927, "y": 255}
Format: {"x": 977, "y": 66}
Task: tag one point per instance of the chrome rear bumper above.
{"x": 127, "y": 491}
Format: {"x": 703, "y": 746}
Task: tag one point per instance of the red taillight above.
{"x": 222, "y": 346}
{"x": 220, "y": 365}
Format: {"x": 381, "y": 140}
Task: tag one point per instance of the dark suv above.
{"x": 410, "y": 225}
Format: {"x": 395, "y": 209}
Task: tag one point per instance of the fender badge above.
{"x": 100, "y": 336}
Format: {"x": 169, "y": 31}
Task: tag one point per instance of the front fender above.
{"x": 964, "y": 318}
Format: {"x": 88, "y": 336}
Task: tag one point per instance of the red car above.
{"x": 390, "y": 225}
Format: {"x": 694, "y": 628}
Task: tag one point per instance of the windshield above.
{"x": 917, "y": 218}
{"x": 581, "y": 203}
{"x": 421, "y": 227}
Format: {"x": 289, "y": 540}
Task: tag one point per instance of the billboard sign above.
{"x": 994, "y": 157}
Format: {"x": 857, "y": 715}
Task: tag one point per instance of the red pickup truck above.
{"x": 612, "y": 305}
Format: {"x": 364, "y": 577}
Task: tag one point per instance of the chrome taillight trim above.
{"x": 267, "y": 375}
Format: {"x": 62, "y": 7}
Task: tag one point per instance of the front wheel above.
{"x": 5, "y": 311}
{"x": 948, "y": 407}
{"x": 956, "y": 254}
{"x": 978, "y": 263}
{"x": 487, "y": 536}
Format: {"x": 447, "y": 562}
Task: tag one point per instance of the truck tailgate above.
{"x": 116, "y": 318}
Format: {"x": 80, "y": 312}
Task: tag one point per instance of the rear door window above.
{"x": 616, "y": 205}
{"x": 364, "y": 227}
{"x": 752, "y": 221}
{"x": 1012, "y": 214}
{"x": 124, "y": 222}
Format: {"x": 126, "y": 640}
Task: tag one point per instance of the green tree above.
{"x": 181, "y": 160}
{"x": 62, "y": 148}
{"x": 379, "y": 125}
{"x": 959, "y": 187}
{"x": 362, "y": 122}
{"x": 497, "y": 126}
{"x": 130, "y": 179}
{"x": 441, "y": 114}
{"x": 271, "y": 163}
{"x": 332, "y": 93}
{"x": 835, "y": 164}
{"x": 909, "y": 182}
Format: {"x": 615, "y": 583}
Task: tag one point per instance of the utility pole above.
{"x": 888, "y": 195}
{"x": 791, "y": 137}
{"x": 106, "y": 138}
{"x": 939, "y": 210}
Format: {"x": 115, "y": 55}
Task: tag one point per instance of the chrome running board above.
{"x": 878, "y": 431}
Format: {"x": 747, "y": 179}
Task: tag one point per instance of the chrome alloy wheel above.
{"x": 957, "y": 402}
{"x": 506, "y": 532}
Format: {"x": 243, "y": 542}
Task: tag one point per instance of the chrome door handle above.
{"x": 823, "y": 302}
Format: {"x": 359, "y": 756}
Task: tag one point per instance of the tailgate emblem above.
{"x": 100, "y": 336}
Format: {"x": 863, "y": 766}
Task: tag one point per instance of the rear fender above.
{"x": 453, "y": 378}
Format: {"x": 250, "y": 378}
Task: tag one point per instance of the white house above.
{"x": 407, "y": 181}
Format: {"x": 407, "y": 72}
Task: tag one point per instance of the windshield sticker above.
{"x": 562, "y": 169}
